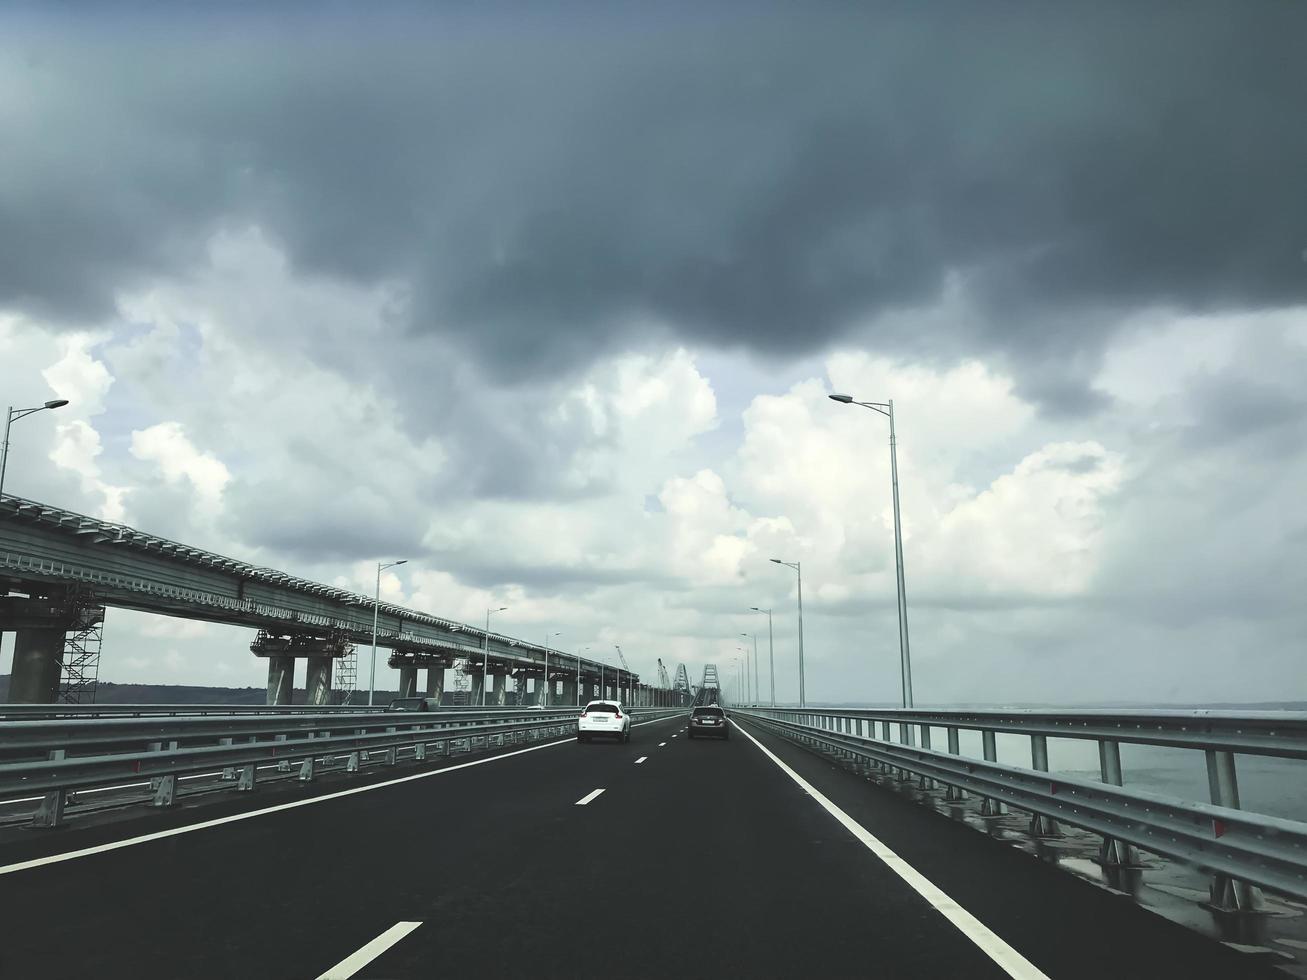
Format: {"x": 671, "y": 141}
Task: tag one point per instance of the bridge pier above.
{"x": 435, "y": 684}
{"x": 281, "y": 679}
{"x": 280, "y": 650}
{"x": 570, "y": 693}
{"x": 408, "y": 682}
{"x": 39, "y": 623}
{"x": 499, "y": 692}
{"x": 478, "y": 688}
{"x": 38, "y": 662}
{"x": 317, "y": 680}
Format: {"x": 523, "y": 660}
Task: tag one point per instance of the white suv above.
{"x": 603, "y": 718}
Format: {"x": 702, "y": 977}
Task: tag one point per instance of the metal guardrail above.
{"x": 1239, "y": 848}
{"x": 52, "y": 758}
{"x": 1278, "y": 733}
{"x": 32, "y": 712}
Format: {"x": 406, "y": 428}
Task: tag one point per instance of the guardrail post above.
{"x": 228, "y": 772}
{"x": 884, "y": 737}
{"x": 1041, "y": 825}
{"x": 392, "y": 752}
{"x": 306, "y": 767}
{"x": 1228, "y": 894}
{"x": 154, "y": 747}
{"x": 954, "y": 794}
{"x": 925, "y": 782}
{"x": 166, "y": 793}
{"x": 248, "y": 772}
{"x": 51, "y": 811}
{"x": 283, "y": 765}
{"x": 990, "y": 807}
{"x": 1114, "y": 853}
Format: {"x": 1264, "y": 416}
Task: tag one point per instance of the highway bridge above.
{"x": 338, "y": 843}
{"x": 59, "y": 571}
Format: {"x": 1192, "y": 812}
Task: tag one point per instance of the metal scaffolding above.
{"x": 347, "y": 675}
{"x": 80, "y": 672}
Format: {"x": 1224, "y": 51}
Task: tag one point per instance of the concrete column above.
{"x": 568, "y": 697}
{"x": 544, "y": 692}
{"x": 408, "y": 682}
{"x": 317, "y": 679}
{"x": 478, "y": 686}
{"x": 38, "y": 661}
{"x": 435, "y": 684}
{"x": 281, "y": 679}
{"x": 499, "y": 693}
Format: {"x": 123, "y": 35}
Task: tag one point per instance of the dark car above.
{"x": 410, "y": 704}
{"x": 708, "y": 720}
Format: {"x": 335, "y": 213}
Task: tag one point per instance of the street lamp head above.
{"x": 57, "y": 403}
{"x": 777, "y": 561}
{"x": 846, "y": 399}
{"x": 402, "y": 561}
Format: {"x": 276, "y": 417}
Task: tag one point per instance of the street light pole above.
{"x": 756, "y": 696}
{"x": 771, "y": 653}
{"x": 548, "y": 687}
{"x": 798, "y": 570}
{"x": 376, "y": 605}
{"x": 12, "y": 416}
{"x": 579, "y": 651}
{"x": 485, "y": 655}
{"x": 905, "y": 654}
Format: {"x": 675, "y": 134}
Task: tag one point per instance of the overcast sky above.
{"x": 547, "y": 298}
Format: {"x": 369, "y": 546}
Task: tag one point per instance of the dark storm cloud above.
{"x": 547, "y": 185}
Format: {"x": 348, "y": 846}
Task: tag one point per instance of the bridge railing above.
{"x": 51, "y": 759}
{"x": 1237, "y": 847}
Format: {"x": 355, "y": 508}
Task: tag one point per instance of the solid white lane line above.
{"x": 356, "y": 961}
{"x": 1004, "y": 956}
{"x": 585, "y": 800}
{"x": 641, "y": 759}
{"x": 219, "y": 821}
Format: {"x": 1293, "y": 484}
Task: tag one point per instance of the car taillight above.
{"x": 619, "y": 714}
{"x": 582, "y": 714}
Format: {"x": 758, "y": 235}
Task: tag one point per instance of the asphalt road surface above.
{"x": 662, "y": 858}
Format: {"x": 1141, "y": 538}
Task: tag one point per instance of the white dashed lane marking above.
{"x": 641, "y": 759}
{"x": 354, "y": 962}
{"x": 586, "y": 800}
